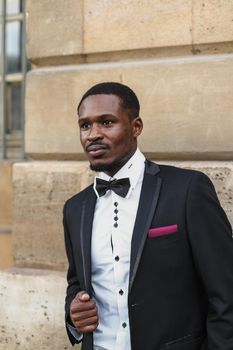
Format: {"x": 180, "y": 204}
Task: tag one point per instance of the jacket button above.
{"x": 133, "y": 305}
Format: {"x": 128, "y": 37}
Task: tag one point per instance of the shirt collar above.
{"x": 133, "y": 169}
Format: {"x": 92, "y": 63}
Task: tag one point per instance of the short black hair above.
{"x": 128, "y": 98}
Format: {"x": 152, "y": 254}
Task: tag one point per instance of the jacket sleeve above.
{"x": 73, "y": 284}
{"x": 210, "y": 236}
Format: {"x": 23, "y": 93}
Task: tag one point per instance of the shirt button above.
{"x": 121, "y": 292}
{"x": 124, "y": 325}
{"x": 117, "y": 258}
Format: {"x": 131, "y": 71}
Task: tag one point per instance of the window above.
{"x": 13, "y": 66}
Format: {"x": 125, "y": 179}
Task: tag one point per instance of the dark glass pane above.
{"x": 12, "y": 7}
{"x": 14, "y": 107}
{"x": 1, "y": 91}
{"x": 1, "y": 111}
{"x": 1, "y": 53}
{"x": 13, "y": 47}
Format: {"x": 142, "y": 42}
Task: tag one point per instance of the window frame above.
{"x": 8, "y": 80}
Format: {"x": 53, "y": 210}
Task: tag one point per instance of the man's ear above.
{"x": 137, "y": 126}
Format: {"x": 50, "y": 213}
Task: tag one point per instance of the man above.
{"x": 151, "y": 255}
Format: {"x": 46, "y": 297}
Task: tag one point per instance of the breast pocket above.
{"x": 163, "y": 235}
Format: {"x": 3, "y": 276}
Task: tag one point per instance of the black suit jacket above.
{"x": 181, "y": 284}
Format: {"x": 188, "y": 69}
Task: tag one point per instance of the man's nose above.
{"x": 95, "y": 133}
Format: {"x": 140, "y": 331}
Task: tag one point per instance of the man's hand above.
{"x": 83, "y": 313}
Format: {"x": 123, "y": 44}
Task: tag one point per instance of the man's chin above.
{"x": 108, "y": 168}
{"x": 100, "y": 167}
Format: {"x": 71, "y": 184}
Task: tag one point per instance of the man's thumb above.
{"x": 83, "y": 296}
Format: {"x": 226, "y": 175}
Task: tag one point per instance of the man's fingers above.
{"x": 79, "y": 306}
{"x": 82, "y": 296}
{"x": 85, "y": 315}
{"x": 85, "y": 297}
{"x": 89, "y": 329}
{"x": 87, "y": 322}
{"x": 87, "y": 325}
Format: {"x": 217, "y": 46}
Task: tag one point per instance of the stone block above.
{"x": 40, "y": 190}
{"x": 6, "y": 194}
{"x": 92, "y": 26}
{"x": 54, "y": 29}
{"x": 212, "y": 21}
{"x": 32, "y": 310}
{"x": 51, "y": 129}
{"x": 128, "y": 24}
{"x": 6, "y": 254}
{"x": 186, "y": 106}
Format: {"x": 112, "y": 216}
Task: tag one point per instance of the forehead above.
{"x": 99, "y": 105}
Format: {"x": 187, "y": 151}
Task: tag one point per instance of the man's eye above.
{"x": 107, "y": 122}
{"x": 85, "y": 126}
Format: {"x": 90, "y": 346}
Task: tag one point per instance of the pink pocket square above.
{"x": 162, "y": 231}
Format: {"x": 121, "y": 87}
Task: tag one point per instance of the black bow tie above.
{"x": 120, "y": 187}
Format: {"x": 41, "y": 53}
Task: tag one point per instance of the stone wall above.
{"x": 31, "y": 313}
{"x": 178, "y": 57}
{"x": 178, "y": 92}
{"x": 6, "y": 200}
{"x": 41, "y": 188}
{"x": 6, "y": 195}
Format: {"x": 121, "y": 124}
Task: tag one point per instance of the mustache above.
{"x": 95, "y": 144}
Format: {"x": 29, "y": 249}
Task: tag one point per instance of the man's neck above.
{"x": 120, "y": 165}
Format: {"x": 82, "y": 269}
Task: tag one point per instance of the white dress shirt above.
{"x": 112, "y": 230}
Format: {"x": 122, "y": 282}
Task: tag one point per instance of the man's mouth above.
{"x": 96, "y": 149}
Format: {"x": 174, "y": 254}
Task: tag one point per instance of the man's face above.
{"x": 107, "y": 135}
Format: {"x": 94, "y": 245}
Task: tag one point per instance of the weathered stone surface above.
{"x": 54, "y": 28}
{"x": 110, "y": 25}
{"x": 212, "y": 21}
{"x": 6, "y": 194}
{"x": 94, "y": 26}
{"x": 41, "y": 189}
{"x": 6, "y": 254}
{"x": 51, "y": 118}
{"x": 186, "y": 103}
{"x": 32, "y": 310}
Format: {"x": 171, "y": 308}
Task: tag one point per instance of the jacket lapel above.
{"x": 146, "y": 210}
{"x": 87, "y": 215}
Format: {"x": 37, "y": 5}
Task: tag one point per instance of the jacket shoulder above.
{"x": 182, "y": 177}
{"x": 171, "y": 170}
